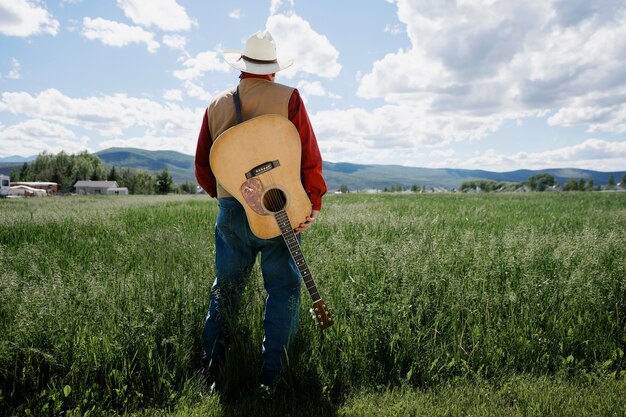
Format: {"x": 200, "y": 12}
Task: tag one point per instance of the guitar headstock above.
{"x": 322, "y": 316}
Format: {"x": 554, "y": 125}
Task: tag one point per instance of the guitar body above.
{"x": 258, "y": 163}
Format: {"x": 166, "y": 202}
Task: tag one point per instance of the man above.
{"x": 236, "y": 247}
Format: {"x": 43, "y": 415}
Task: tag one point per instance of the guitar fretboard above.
{"x": 296, "y": 252}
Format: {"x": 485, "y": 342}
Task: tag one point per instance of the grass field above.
{"x": 445, "y": 304}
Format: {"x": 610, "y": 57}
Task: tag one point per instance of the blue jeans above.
{"x": 236, "y": 249}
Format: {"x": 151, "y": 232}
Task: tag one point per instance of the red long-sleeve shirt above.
{"x": 311, "y": 159}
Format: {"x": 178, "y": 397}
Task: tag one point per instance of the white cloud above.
{"x": 442, "y": 153}
{"x": 312, "y": 52}
{"x": 594, "y": 154}
{"x": 388, "y": 134}
{"x": 156, "y": 142}
{"x": 15, "y": 71}
{"x": 312, "y": 88}
{"x": 196, "y": 90}
{"x": 35, "y": 136}
{"x": 110, "y": 116}
{"x": 202, "y": 63}
{"x": 601, "y": 111}
{"x": 176, "y": 42}
{"x": 167, "y": 15}
{"x": 195, "y": 68}
{"x": 393, "y": 29}
{"x": 488, "y": 61}
{"x": 411, "y": 136}
{"x": 276, "y": 4}
{"x": 315, "y": 88}
{"x": 117, "y": 34}
{"x": 26, "y": 18}
{"x": 235, "y": 14}
{"x": 173, "y": 95}
{"x": 113, "y": 120}
{"x": 65, "y": 2}
{"x": 399, "y": 133}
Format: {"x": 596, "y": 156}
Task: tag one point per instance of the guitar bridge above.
{"x": 261, "y": 169}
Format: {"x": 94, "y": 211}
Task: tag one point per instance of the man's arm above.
{"x": 203, "y": 171}
{"x": 311, "y": 162}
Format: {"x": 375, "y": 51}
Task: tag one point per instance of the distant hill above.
{"x": 17, "y": 159}
{"x": 9, "y": 163}
{"x": 361, "y": 177}
{"x": 355, "y": 176}
{"x": 179, "y": 165}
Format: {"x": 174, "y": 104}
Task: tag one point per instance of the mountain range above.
{"x": 16, "y": 159}
{"x": 354, "y": 176}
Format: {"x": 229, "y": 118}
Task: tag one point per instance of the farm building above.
{"x": 99, "y": 187}
{"x": 117, "y": 191}
{"x": 48, "y": 187}
{"x": 26, "y": 191}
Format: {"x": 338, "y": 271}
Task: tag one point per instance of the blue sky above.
{"x": 496, "y": 85}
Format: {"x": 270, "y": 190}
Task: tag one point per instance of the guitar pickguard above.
{"x": 252, "y": 191}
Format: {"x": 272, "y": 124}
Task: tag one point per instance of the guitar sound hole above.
{"x": 274, "y": 200}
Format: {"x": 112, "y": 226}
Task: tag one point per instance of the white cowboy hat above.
{"x": 258, "y": 57}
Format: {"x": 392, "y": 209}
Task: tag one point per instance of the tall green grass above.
{"x": 103, "y": 298}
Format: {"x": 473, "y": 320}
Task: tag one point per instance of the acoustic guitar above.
{"x": 258, "y": 163}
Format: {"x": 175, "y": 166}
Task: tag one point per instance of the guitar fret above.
{"x": 296, "y": 252}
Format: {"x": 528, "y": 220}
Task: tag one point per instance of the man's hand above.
{"x": 308, "y": 222}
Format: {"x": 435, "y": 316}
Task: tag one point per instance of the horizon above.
{"x": 476, "y": 85}
{"x": 4, "y": 160}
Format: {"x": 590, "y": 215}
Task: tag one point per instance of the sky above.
{"x": 476, "y": 84}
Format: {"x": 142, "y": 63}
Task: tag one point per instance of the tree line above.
{"x": 540, "y": 182}
{"x": 65, "y": 170}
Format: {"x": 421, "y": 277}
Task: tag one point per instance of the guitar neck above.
{"x": 296, "y": 252}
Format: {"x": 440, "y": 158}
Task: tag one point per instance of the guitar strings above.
{"x": 278, "y": 201}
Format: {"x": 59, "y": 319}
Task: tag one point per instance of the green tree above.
{"x": 622, "y": 182}
{"x": 582, "y": 184}
{"x": 164, "y": 182}
{"x": 571, "y": 185}
{"x": 343, "y": 188}
{"x": 137, "y": 181}
{"x": 112, "y": 175}
{"x": 15, "y": 176}
{"x": 86, "y": 166}
{"x": 590, "y": 184}
{"x": 540, "y": 182}
{"x": 62, "y": 171}
{"x": 396, "y": 188}
{"x": 487, "y": 185}
{"x": 145, "y": 182}
{"x": 610, "y": 183}
{"x": 24, "y": 172}
{"x": 188, "y": 187}
{"x": 415, "y": 188}
{"x": 41, "y": 167}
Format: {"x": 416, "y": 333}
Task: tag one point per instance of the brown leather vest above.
{"x": 258, "y": 97}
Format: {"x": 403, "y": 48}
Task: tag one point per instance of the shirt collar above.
{"x": 245, "y": 75}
